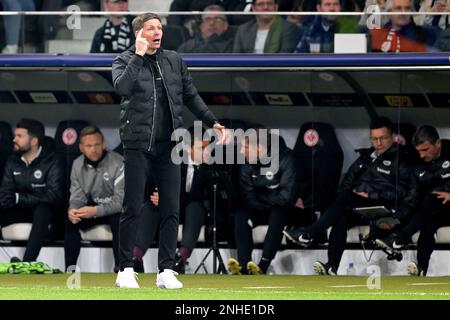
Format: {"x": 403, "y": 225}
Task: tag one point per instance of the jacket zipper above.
{"x": 167, "y": 93}
{"x": 154, "y": 110}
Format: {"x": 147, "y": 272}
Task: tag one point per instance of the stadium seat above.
{"x": 259, "y": 234}
{"x": 16, "y": 231}
{"x": 319, "y": 164}
{"x": 67, "y": 144}
{"x": 101, "y": 232}
{"x": 67, "y": 149}
{"x": 201, "y": 236}
{"x": 443, "y": 235}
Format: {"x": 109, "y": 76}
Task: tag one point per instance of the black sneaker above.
{"x": 15, "y": 259}
{"x": 180, "y": 265}
{"x": 138, "y": 265}
{"x": 324, "y": 269}
{"x": 299, "y": 236}
{"x": 415, "y": 271}
{"x": 390, "y": 243}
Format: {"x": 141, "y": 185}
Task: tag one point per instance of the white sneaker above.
{"x": 127, "y": 279}
{"x": 167, "y": 280}
{"x": 10, "y": 49}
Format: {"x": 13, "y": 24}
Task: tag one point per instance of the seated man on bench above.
{"x": 379, "y": 177}
{"x": 428, "y": 199}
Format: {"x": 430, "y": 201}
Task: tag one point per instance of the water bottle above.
{"x": 351, "y": 269}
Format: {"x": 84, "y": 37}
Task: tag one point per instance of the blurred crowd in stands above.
{"x": 214, "y": 32}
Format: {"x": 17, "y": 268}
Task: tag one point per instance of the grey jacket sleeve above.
{"x": 77, "y": 196}
{"x": 116, "y": 203}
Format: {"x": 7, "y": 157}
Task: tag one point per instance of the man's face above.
{"x": 152, "y": 32}
{"x": 329, "y": 6}
{"x": 116, "y": 6}
{"x": 92, "y": 146}
{"x": 381, "y": 140}
{"x": 213, "y": 23}
{"x": 429, "y": 151}
{"x": 401, "y": 6}
{"x": 250, "y": 151}
{"x": 197, "y": 149}
{"x": 22, "y": 140}
{"x": 264, "y": 6}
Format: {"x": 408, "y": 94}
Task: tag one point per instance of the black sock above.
{"x": 264, "y": 264}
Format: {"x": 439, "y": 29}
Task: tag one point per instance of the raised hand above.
{"x": 141, "y": 44}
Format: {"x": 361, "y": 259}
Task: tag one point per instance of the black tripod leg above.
{"x": 221, "y": 268}
{"x": 202, "y": 263}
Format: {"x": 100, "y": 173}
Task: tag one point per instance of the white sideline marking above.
{"x": 428, "y": 283}
{"x": 349, "y": 286}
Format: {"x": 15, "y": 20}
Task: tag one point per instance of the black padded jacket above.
{"x": 133, "y": 79}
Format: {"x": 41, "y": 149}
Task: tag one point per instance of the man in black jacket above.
{"x": 379, "y": 177}
{"x": 155, "y": 85}
{"x": 267, "y": 195}
{"x": 32, "y": 185}
{"x": 428, "y": 199}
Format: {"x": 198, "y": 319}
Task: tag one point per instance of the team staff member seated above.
{"x": 266, "y": 200}
{"x": 428, "y": 199}
{"x": 32, "y": 185}
{"x": 379, "y": 177}
{"x": 96, "y": 193}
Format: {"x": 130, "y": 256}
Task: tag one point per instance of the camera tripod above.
{"x": 214, "y": 249}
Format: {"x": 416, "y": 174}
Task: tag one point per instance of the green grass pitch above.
{"x": 224, "y": 287}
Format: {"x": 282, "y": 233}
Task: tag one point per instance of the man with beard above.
{"x": 32, "y": 185}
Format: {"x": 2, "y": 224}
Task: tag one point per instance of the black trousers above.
{"x": 140, "y": 166}
{"x": 340, "y": 217}
{"x": 72, "y": 237}
{"x": 429, "y": 216}
{"x": 41, "y": 216}
{"x": 194, "y": 219}
{"x": 276, "y": 219}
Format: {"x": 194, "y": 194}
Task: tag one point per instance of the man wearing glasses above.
{"x": 214, "y": 36}
{"x": 379, "y": 177}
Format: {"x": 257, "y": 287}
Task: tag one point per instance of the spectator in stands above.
{"x": 32, "y": 185}
{"x": 437, "y": 21}
{"x": 428, "y": 198}
{"x": 153, "y": 81}
{"x": 214, "y": 37}
{"x": 319, "y": 36}
{"x": 443, "y": 40}
{"x": 400, "y": 34}
{"x": 13, "y": 22}
{"x": 266, "y": 33}
{"x": 116, "y": 34}
{"x": 190, "y": 21}
{"x": 266, "y": 196}
{"x": 379, "y": 177}
{"x": 194, "y": 205}
{"x": 96, "y": 193}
